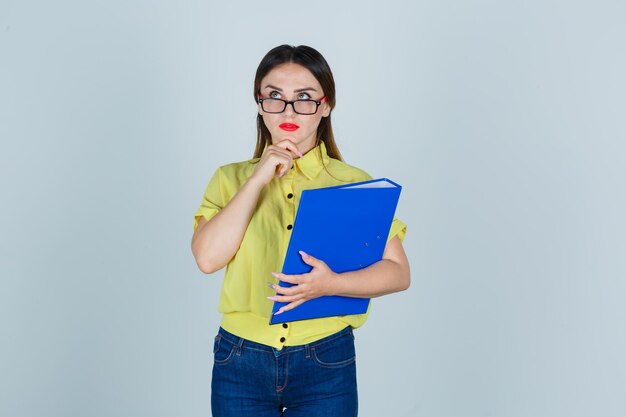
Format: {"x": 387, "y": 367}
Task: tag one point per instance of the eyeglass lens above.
{"x": 272, "y": 105}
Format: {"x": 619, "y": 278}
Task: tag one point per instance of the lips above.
{"x": 289, "y": 127}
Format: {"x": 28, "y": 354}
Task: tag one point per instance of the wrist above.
{"x": 335, "y": 284}
{"x": 255, "y": 183}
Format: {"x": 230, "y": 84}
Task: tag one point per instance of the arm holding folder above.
{"x": 343, "y": 226}
{"x": 389, "y": 275}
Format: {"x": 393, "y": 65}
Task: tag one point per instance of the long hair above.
{"x": 317, "y": 65}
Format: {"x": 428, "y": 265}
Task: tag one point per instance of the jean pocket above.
{"x": 335, "y": 354}
{"x": 222, "y": 351}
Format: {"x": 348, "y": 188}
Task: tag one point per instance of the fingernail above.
{"x": 269, "y": 284}
{"x": 300, "y": 154}
{"x": 278, "y": 312}
{"x": 275, "y": 274}
{"x": 271, "y": 298}
{"x": 301, "y": 252}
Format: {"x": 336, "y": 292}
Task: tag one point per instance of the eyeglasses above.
{"x": 277, "y": 105}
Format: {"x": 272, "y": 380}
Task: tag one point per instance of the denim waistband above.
{"x": 244, "y": 343}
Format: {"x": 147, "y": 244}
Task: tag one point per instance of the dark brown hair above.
{"x": 317, "y": 65}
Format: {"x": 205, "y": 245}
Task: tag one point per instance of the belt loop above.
{"x": 307, "y": 351}
{"x": 239, "y": 346}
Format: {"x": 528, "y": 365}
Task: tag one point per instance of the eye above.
{"x": 274, "y": 94}
{"x": 303, "y": 96}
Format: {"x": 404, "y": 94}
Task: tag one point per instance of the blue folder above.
{"x": 346, "y": 226}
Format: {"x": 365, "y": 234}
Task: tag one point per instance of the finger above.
{"x": 285, "y": 298}
{"x": 284, "y": 170}
{"x": 291, "y": 279}
{"x": 289, "y": 306}
{"x": 282, "y": 165}
{"x": 282, "y": 160}
{"x": 285, "y": 290}
{"x": 281, "y": 154}
{"x": 309, "y": 260}
{"x": 276, "y": 151}
{"x": 287, "y": 144}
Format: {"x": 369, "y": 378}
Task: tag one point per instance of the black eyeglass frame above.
{"x": 318, "y": 103}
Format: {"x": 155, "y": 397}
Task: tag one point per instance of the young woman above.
{"x": 304, "y": 368}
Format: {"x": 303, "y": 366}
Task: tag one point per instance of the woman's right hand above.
{"x": 276, "y": 160}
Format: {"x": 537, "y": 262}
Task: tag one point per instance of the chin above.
{"x": 283, "y": 137}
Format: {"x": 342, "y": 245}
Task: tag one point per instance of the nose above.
{"x": 289, "y": 110}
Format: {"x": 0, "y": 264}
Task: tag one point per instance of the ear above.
{"x": 258, "y": 105}
{"x": 325, "y": 109}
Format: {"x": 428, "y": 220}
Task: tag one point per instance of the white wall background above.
{"x": 503, "y": 120}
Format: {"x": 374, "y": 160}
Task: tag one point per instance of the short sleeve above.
{"x": 398, "y": 228}
{"x": 212, "y": 201}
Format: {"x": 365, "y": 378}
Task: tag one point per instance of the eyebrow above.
{"x": 299, "y": 90}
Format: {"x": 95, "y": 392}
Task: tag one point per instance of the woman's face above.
{"x": 290, "y": 82}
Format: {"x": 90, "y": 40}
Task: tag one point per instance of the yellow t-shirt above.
{"x": 243, "y": 301}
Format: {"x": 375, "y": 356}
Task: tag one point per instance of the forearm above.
{"x": 217, "y": 241}
{"x": 391, "y": 274}
{"x": 383, "y": 277}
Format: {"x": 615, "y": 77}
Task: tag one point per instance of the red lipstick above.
{"x": 289, "y": 127}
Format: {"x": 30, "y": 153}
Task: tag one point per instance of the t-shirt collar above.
{"x": 312, "y": 163}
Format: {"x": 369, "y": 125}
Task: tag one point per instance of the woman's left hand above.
{"x": 320, "y": 281}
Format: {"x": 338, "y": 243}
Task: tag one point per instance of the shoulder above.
{"x": 229, "y": 178}
{"x": 346, "y": 172}
{"x": 237, "y": 171}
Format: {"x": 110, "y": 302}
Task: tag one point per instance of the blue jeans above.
{"x": 255, "y": 380}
